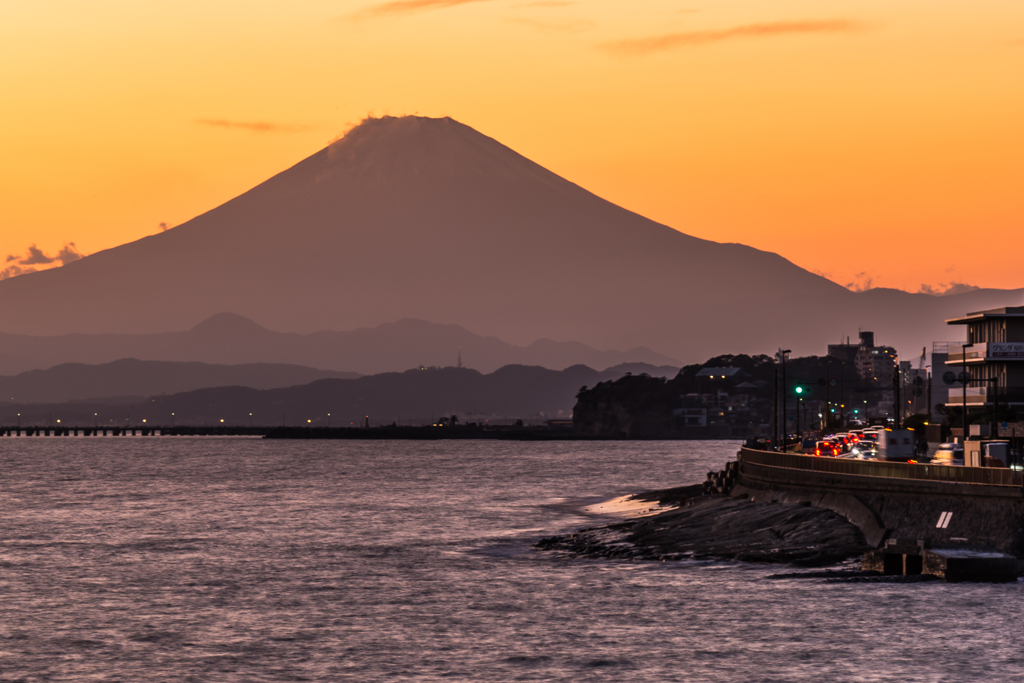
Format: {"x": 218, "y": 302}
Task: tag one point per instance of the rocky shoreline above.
{"x": 702, "y": 525}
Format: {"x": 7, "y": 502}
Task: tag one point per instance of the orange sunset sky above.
{"x": 880, "y": 143}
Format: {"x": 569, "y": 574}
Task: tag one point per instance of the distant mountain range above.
{"x": 414, "y": 396}
{"x": 428, "y": 219}
{"x": 131, "y": 379}
{"x": 232, "y": 339}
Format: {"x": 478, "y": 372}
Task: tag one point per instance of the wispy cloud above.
{"x": 642, "y": 46}
{"x": 14, "y": 271}
{"x": 947, "y": 288}
{"x": 68, "y": 253}
{"x": 254, "y": 126}
{"x": 548, "y": 3}
{"x": 398, "y": 7}
{"x": 863, "y": 282}
{"x": 554, "y": 25}
{"x": 34, "y": 256}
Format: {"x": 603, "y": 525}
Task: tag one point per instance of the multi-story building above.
{"x": 944, "y": 376}
{"x": 876, "y": 364}
{"x": 848, "y": 352}
{"x": 873, "y": 364}
{"x": 992, "y": 358}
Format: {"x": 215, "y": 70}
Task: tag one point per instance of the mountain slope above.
{"x": 427, "y": 218}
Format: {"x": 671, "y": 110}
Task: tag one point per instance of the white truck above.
{"x": 898, "y": 445}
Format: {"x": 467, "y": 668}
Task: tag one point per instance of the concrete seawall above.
{"x": 934, "y": 512}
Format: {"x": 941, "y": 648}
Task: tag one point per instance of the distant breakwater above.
{"x": 426, "y": 433}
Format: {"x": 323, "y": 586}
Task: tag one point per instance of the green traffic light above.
{"x": 799, "y": 390}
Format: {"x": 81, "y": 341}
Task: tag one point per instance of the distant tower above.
{"x": 460, "y": 357}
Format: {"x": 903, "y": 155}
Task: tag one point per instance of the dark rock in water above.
{"x": 725, "y": 528}
{"x": 674, "y": 496}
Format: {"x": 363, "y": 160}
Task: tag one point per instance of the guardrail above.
{"x": 990, "y": 476}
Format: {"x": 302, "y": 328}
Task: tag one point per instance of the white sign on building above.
{"x": 1006, "y": 350}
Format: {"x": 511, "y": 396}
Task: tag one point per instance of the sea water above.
{"x": 192, "y": 559}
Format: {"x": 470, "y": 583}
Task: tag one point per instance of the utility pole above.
{"x": 898, "y": 413}
{"x": 785, "y": 424}
{"x": 828, "y": 392}
{"x": 842, "y": 401}
{"x": 963, "y": 380}
{"x": 799, "y": 434}
{"x": 775, "y": 412}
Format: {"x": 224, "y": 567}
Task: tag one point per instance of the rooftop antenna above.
{"x": 460, "y": 357}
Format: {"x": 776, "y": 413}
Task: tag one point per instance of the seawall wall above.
{"x": 895, "y": 507}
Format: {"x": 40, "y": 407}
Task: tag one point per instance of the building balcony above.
{"x": 986, "y": 352}
{"x": 985, "y": 396}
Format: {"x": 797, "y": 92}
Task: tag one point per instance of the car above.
{"x": 949, "y": 454}
{"x": 865, "y": 450}
{"x": 826, "y": 448}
